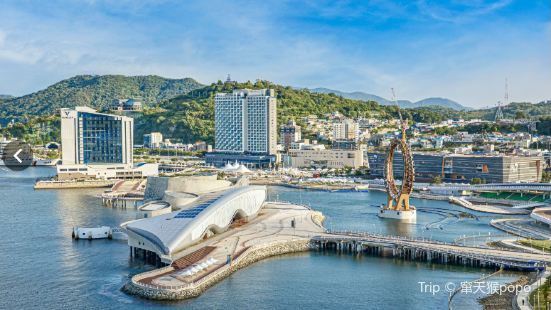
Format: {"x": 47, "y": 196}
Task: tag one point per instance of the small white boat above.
{"x": 103, "y": 232}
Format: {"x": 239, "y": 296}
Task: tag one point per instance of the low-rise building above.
{"x": 152, "y": 140}
{"x": 464, "y": 168}
{"x": 322, "y": 158}
{"x": 126, "y": 105}
{"x": 106, "y": 171}
{"x": 288, "y": 134}
{"x": 345, "y": 145}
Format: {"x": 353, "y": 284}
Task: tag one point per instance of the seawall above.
{"x": 73, "y": 184}
{"x": 249, "y": 256}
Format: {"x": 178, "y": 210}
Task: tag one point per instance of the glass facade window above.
{"x": 257, "y": 125}
{"x": 228, "y": 118}
{"x": 102, "y": 139}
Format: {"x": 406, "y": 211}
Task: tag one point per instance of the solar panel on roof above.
{"x": 193, "y": 212}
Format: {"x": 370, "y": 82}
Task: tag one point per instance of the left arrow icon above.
{"x": 16, "y": 155}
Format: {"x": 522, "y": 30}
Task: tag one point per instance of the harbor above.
{"x": 108, "y": 266}
{"x": 283, "y": 228}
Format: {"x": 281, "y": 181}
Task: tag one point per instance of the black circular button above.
{"x": 17, "y": 155}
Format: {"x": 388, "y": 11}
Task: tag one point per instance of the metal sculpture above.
{"x": 395, "y": 195}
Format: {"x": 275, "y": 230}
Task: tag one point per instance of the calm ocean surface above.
{"x": 42, "y": 267}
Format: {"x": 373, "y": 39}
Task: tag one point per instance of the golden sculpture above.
{"x": 395, "y": 195}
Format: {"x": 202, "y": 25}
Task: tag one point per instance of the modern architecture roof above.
{"x": 172, "y": 232}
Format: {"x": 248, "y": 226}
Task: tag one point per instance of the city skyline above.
{"x": 274, "y": 154}
{"x": 456, "y": 50}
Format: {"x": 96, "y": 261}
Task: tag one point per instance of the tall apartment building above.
{"x": 152, "y": 140}
{"x": 245, "y": 124}
{"x": 289, "y": 133}
{"x": 245, "y": 121}
{"x": 345, "y": 130}
{"x": 97, "y": 145}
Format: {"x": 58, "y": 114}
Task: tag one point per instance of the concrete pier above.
{"x": 430, "y": 251}
{"x": 279, "y": 228}
{"x": 72, "y": 184}
{"x": 285, "y": 228}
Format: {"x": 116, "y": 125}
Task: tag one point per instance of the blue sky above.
{"x": 462, "y": 50}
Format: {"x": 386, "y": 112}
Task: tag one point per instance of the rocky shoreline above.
{"x": 502, "y": 301}
{"x": 250, "y": 256}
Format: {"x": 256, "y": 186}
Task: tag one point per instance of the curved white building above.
{"x": 168, "y": 234}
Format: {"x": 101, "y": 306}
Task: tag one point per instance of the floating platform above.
{"x": 102, "y": 232}
{"x": 403, "y": 215}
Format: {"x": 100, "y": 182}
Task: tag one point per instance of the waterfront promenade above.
{"x": 282, "y": 228}
{"x": 279, "y": 228}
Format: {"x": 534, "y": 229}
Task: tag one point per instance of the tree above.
{"x": 436, "y": 180}
{"x": 476, "y": 181}
{"x": 521, "y": 115}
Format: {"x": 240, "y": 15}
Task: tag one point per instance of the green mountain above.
{"x": 404, "y": 104}
{"x": 190, "y": 117}
{"x": 517, "y": 110}
{"x": 183, "y": 110}
{"x": 96, "y": 91}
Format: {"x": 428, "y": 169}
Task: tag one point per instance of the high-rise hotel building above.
{"x": 245, "y": 128}
{"x": 88, "y": 137}
{"x": 97, "y": 145}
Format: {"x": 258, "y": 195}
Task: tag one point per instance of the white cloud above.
{"x": 461, "y": 11}
{"x": 2, "y": 37}
{"x": 261, "y": 41}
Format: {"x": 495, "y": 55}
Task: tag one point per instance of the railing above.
{"x": 464, "y": 252}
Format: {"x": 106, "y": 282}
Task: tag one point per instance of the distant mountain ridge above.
{"x": 97, "y": 91}
{"x": 5, "y": 96}
{"x": 428, "y": 102}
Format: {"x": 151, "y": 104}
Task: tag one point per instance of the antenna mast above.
{"x": 403, "y": 122}
{"x": 499, "y": 112}
{"x": 506, "y": 92}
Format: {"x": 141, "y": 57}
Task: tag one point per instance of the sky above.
{"x": 459, "y": 49}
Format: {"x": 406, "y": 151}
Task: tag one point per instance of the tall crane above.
{"x": 403, "y": 122}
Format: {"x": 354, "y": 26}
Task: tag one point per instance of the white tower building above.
{"x": 246, "y": 122}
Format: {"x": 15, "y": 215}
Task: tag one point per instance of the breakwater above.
{"x": 194, "y": 289}
{"x": 73, "y": 184}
